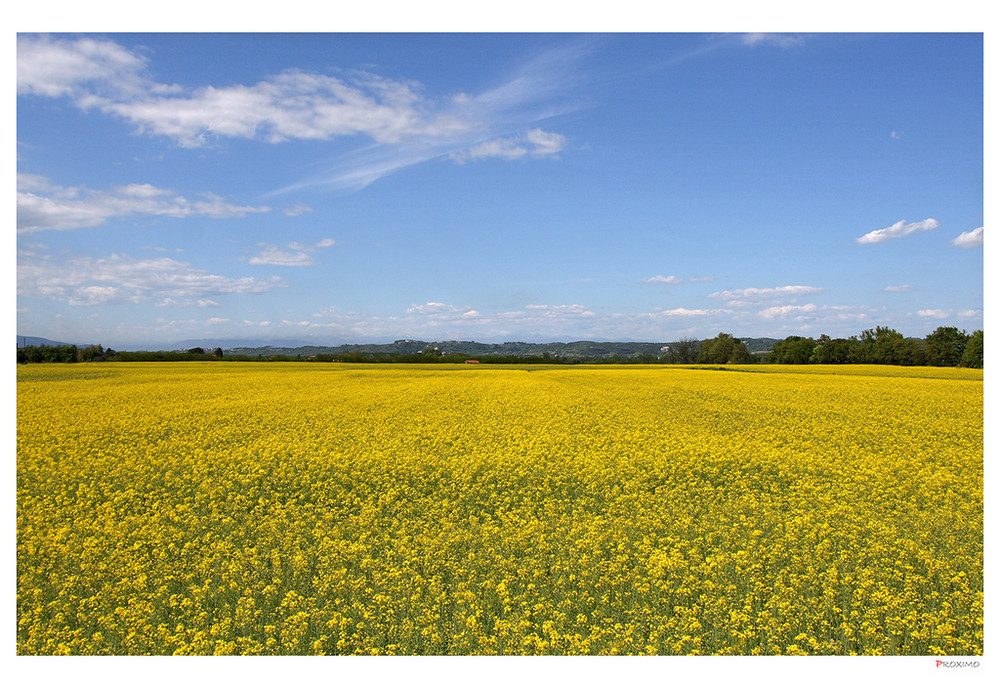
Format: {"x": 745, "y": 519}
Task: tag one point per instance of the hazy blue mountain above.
{"x": 229, "y": 343}
{"x": 23, "y": 340}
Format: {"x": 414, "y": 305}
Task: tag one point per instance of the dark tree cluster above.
{"x": 724, "y": 348}
{"x": 65, "y": 353}
{"x": 945, "y": 346}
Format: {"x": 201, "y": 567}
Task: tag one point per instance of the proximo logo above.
{"x": 956, "y": 665}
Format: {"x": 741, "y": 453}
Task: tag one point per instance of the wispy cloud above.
{"x": 86, "y": 281}
{"x": 671, "y": 279}
{"x": 404, "y": 124}
{"x": 900, "y": 229}
{"x": 534, "y": 143}
{"x": 782, "y": 40}
{"x": 971, "y": 239}
{"x": 42, "y": 205}
{"x": 752, "y": 295}
{"x": 933, "y": 313}
{"x": 298, "y": 255}
{"x": 442, "y": 311}
{"x": 898, "y": 288}
{"x": 296, "y": 210}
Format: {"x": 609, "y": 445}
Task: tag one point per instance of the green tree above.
{"x": 796, "y": 350}
{"x": 684, "y": 351}
{"x": 724, "y": 348}
{"x": 946, "y": 346}
{"x": 972, "y": 357}
{"x": 830, "y": 351}
{"x": 882, "y": 345}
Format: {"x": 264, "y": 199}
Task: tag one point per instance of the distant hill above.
{"x": 229, "y": 344}
{"x": 37, "y": 341}
{"x": 296, "y": 347}
{"x": 579, "y": 349}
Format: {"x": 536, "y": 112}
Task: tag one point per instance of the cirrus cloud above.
{"x": 405, "y": 125}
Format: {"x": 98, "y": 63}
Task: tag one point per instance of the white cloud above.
{"x": 899, "y": 288}
{"x": 900, "y": 229}
{"x": 751, "y": 295}
{"x": 782, "y": 40}
{"x": 297, "y": 209}
{"x": 42, "y": 205}
{"x": 973, "y": 313}
{"x": 435, "y": 308}
{"x": 300, "y": 254}
{"x": 272, "y": 255}
{"x": 971, "y": 239}
{"x": 670, "y": 279}
{"x": 290, "y": 105}
{"x": 895, "y": 135}
{"x": 559, "y": 311}
{"x": 933, "y": 313}
{"x": 54, "y": 67}
{"x": 660, "y": 279}
{"x": 404, "y": 124}
{"x": 85, "y": 281}
{"x": 536, "y": 143}
{"x": 689, "y": 312}
{"x": 779, "y": 311}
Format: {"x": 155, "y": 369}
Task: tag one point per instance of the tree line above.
{"x": 70, "y": 353}
{"x": 945, "y": 346}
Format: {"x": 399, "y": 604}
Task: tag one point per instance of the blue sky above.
{"x": 348, "y": 188}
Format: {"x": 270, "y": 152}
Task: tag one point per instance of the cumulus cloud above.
{"x": 781, "y": 311}
{"x": 751, "y": 295}
{"x": 689, "y": 312}
{"x": 86, "y": 281}
{"x": 900, "y": 229}
{"x": 54, "y": 67}
{"x": 42, "y": 205}
{"x": 933, "y": 313}
{"x": 299, "y": 255}
{"x": 971, "y": 239}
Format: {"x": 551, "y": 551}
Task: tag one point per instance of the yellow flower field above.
{"x": 307, "y": 508}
